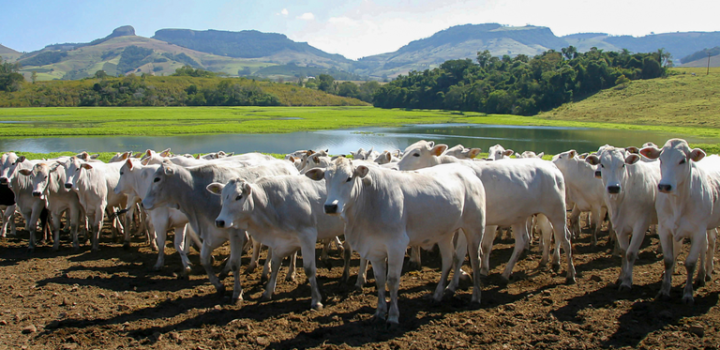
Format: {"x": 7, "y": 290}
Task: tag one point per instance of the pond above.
{"x": 550, "y": 140}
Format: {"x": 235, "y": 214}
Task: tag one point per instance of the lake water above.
{"x": 550, "y": 140}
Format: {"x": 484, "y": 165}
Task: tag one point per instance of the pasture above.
{"x": 154, "y": 121}
{"x": 113, "y": 300}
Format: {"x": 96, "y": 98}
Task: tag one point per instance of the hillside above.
{"x": 461, "y": 42}
{"x": 8, "y": 53}
{"x": 253, "y": 44}
{"x": 681, "y": 99}
{"x": 700, "y": 58}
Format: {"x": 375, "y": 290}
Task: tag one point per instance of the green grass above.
{"x": 104, "y": 156}
{"x": 680, "y": 101}
{"x": 166, "y": 121}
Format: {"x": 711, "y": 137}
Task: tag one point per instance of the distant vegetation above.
{"x": 518, "y": 85}
{"x": 10, "y": 79}
{"x": 189, "y": 87}
{"x": 43, "y": 58}
{"x": 132, "y": 58}
{"x": 701, "y": 54}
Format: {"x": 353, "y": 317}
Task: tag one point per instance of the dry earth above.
{"x": 111, "y": 299}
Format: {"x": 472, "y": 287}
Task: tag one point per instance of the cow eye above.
{"x": 682, "y": 161}
{"x": 416, "y": 155}
{"x": 121, "y": 173}
{"x": 157, "y": 179}
{"x": 45, "y": 177}
{"x": 602, "y": 166}
{"x": 238, "y": 198}
{"x": 349, "y": 179}
{"x": 78, "y": 169}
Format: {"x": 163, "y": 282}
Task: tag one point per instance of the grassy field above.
{"x": 680, "y": 100}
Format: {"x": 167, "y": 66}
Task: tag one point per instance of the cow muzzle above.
{"x": 68, "y": 185}
{"x": 220, "y": 223}
{"x": 598, "y": 174}
{"x": 613, "y": 189}
{"x": 331, "y": 208}
{"x": 37, "y": 194}
{"x": 664, "y": 188}
{"x": 3, "y": 180}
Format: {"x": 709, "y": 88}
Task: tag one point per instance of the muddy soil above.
{"x": 112, "y": 300}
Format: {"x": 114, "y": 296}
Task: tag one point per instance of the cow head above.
{"x": 237, "y": 203}
{"x": 612, "y": 164}
{"x": 498, "y": 152}
{"x": 676, "y": 160}
{"x": 342, "y": 181}
{"x": 158, "y": 192}
{"x": 40, "y": 175}
{"x": 73, "y": 170}
{"x": 460, "y": 152}
{"x": 8, "y": 164}
{"x": 421, "y": 154}
{"x": 130, "y": 166}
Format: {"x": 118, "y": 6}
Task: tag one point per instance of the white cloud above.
{"x": 284, "y": 12}
{"x": 307, "y": 16}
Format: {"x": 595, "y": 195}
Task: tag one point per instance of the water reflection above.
{"x": 519, "y": 138}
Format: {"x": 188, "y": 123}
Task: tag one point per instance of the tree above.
{"x": 483, "y": 58}
{"x": 348, "y": 89}
{"x": 569, "y": 52}
{"x": 100, "y": 74}
{"x": 33, "y": 76}
{"x": 325, "y": 83}
{"x": 10, "y": 79}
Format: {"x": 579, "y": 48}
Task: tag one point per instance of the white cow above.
{"x": 499, "y": 152}
{"x": 460, "y": 152}
{"x": 48, "y": 185}
{"x": 284, "y": 213}
{"x": 515, "y": 191}
{"x": 688, "y": 207}
{"x": 7, "y": 197}
{"x": 185, "y": 189}
{"x": 386, "y": 211}
{"x": 584, "y": 189}
{"x": 135, "y": 180}
{"x": 630, "y": 193}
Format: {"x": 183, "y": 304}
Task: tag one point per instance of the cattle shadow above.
{"x": 645, "y": 315}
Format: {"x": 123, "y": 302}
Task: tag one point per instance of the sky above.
{"x": 354, "y": 29}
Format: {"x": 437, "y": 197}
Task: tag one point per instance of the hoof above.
{"x": 392, "y": 324}
{"x": 250, "y": 269}
{"x": 30, "y": 250}
{"x": 556, "y": 267}
{"x": 236, "y": 299}
{"x": 126, "y": 245}
{"x": 379, "y": 318}
{"x": 345, "y": 278}
{"x": 413, "y": 266}
{"x": 700, "y": 282}
{"x": 624, "y": 288}
{"x": 319, "y": 306}
{"x": 328, "y": 264}
{"x": 266, "y": 297}
{"x": 290, "y": 278}
{"x": 662, "y": 296}
{"x": 570, "y": 280}
{"x": 263, "y": 278}
{"x": 688, "y": 299}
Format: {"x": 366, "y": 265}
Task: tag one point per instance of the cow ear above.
{"x": 388, "y": 156}
{"x": 697, "y": 155}
{"x": 229, "y": 154}
{"x": 221, "y": 153}
{"x": 474, "y": 152}
{"x": 572, "y": 153}
{"x": 137, "y": 155}
{"x": 125, "y": 155}
{"x": 129, "y": 164}
{"x": 361, "y": 171}
{"x": 508, "y": 152}
{"x": 651, "y": 152}
{"x": 54, "y": 167}
{"x": 316, "y": 158}
{"x": 593, "y": 159}
{"x": 431, "y": 144}
{"x": 20, "y": 159}
{"x": 291, "y": 159}
{"x": 316, "y": 174}
{"x": 26, "y": 172}
{"x": 145, "y": 161}
{"x": 246, "y": 188}
{"x": 87, "y": 166}
{"x": 584, "y": 155}
{"x": 632, "y": 158}
{"x": 541, "y": 154}
{"x": 215, "y": 188}
{"x": 632, "y": 149}
{"x": 168, "y": 171}
{"x": 148, "y": 153}
{"x": 439, "y": 149}
{"x": 165, "y": 153}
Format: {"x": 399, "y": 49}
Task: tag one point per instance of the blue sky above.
{"x": 351, "y": 28}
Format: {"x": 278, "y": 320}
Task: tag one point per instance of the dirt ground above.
{"x": 111, "y": 300}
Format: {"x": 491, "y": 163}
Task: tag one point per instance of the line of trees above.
{"x": 10, "y": 79}
{"x": 518, "y": 85}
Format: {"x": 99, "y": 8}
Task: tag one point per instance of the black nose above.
{"x": 36, "y": 194}
{"x": 613, "y": 189}
{"x": 3, "y": 181}
{"x": 330, "y": 208}
{"x": 68, "y": 185}
{"x": 664, "y": 188}
{"x": 220, "y": 223}
{"x": 598, "y": 174}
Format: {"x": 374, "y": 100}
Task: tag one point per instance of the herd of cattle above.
{"x": 382, "y": 204}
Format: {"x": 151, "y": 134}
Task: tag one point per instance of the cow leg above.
{"x": 380, "y": 270}
{"x": 237, "y": 242}
{"x": 394, "y": 271}
{"x": 632, "y": 252}
{"x": 275, "y": 262}
{"x": 520, "y": 234}
{"x": 667, "y": 243}
{"x": 447, "y": 255}
{"x": 461, "y": 247}
{"x": 129, "y": 217}
{"x": 8, "y": 220}
{"x": 700, "y": 280}
{"x": 56, "y": 230}
{"x": 546, "y": 232}
{"x": 208, "y": 246}
{"x": 575, "y": 221}
{"x": 709, "y": 263}
{"x": 347, "y": 255}
{"x": 698, "y": 243}
{"x": 562, "y": 236}
{"x": 161, "y": 227}
{"x": 267, "y": 267}
{"x": 256, "y": 247}
{"x": 307, "y": 242}
{"x": 487, "y": 244}
{"x": 31, "y": 219}
{"x": 415, "y": 259}
{"x": 622, "y": 238}
{"x": 362, "y": 273}
{"x": 292, "y": 274}
{"x": 181, "y": 246}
